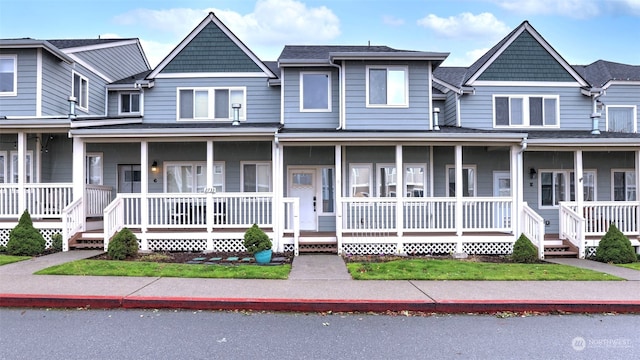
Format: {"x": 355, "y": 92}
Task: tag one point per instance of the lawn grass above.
{"x": 8, "y": 259}
{"x": 156, "y": 269}
{"x": 634, "y": 266}
{"x": 442, "y": 269}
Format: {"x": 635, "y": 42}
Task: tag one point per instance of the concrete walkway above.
{"x": 319, "y": 267}
{"x": 621, "y": 272}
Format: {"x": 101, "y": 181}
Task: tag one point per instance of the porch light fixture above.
{"x": 154, "y": 166}
{"x": 236, "y": 113}
{"x": 532, "y": 173}
{"x": 436, "y": 122}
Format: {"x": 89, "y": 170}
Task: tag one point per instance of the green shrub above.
{"x": 24, "y": 239}
{"x": 256, "y": 240}
{"x": 524, "y": 251}
{"x": 3, "y": 249}
{"x": 56, "y": 242}
{"x": 123, "y": 245}
{"x": 615, "y": 248}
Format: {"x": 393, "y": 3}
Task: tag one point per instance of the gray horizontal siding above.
{"x": 56, "y": 85}
{"x": 293, "y": 117}
{"x": 263, "y": 102}
{"x": 115, "y": 62}
{"x": 622, "y": 95}
{"x": 415, "y": 117}
{"x": 24, "y": 103}
{"x": 450, "y": 111}
{"x": 477, "y": 110}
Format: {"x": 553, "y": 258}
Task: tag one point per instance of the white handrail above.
{"x": 572, "y": 228}
{"x": 73, "y": 221}
{"x": 533, "y": 228}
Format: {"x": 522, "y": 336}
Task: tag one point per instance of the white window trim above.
{"x": 404, "y": 177}
{"x": 567, "y": 174}
{"x": 86, "y": 94}
{"x": 243, "y": 163}
{"x": 211, "y": 104}
{"x": 624, "y": 170}
{"x": 15, "y": 75}
{"x": 351, "y": 177}
{"x": 525, "y": 110}
{"x": 406, "y": 85}
{"x": 94, "y": 154}
{"x": 379, "y": 184}
{"x": 3, "y": 169}
{"x": 475, "y": 178}
{"x": 193, "y": 165}
{"x": 29, "y": 170}
{"x": 301, "y": 84}
{"x": 120, "y": 112}
{"x": 635, "y": 115}
{"x": 319, "y": 207}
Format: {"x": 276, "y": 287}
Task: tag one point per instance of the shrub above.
{"x": 56, "y": 242}
{"x": 24, "y": 239}
{"x": 123, "y": 245}
{"x": 615, "y": 248}
{"x": 256, "y": 240}
{"x": 524, "y": 251}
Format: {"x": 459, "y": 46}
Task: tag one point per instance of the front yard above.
{"x": 8, "y": 259}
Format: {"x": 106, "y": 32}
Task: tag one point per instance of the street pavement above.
{"x": 316, "y": 283}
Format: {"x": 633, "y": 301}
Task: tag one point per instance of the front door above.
{"x": 502, "y": 188}
{"x": 129, "y": 178}
{"x": 302, "y": 184}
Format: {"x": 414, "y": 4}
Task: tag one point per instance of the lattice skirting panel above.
{"x": 488, "y": 248}
{"x": 590, "y": 251}
{"x": 429, "y": 248}
{"x": 369, "y": 249}
{"x": 229, "y": 245}
{"x": 177, "y": 244}
{"x": 289, "y": 248}
{"x": 46, "y": 234}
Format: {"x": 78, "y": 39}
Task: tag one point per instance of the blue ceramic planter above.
{"x": 263, "y": 257}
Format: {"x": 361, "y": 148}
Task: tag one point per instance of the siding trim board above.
{"x": 211, "y": 75}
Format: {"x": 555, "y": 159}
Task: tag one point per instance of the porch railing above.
{"x": 599, "y": 215}
{"x": 290, "y": 221}
{"x": 42, "y": 200}
{"x": 97, "y": 197}
{"x": 533, "y": 228}
{"x": 572, "y": 228}
{"x": 73, "y": 221}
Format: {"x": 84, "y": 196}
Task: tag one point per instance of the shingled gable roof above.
{"x": 325, "y": 54}
{"x": 28, "y": 43}
{"x": 211, "y": 19}
{"x": 601, "y": 73}
{"x": 77, "y": 43}
{"x": 486, "y": 60}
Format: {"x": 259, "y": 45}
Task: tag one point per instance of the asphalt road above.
{"x": 169, "y": 334}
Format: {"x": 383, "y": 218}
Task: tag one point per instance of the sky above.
{"x": 582, "y": 31}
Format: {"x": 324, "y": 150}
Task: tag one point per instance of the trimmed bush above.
{"x": 24, "y": 239}
{"x": 524, "y": 251}
{"x": 256, "y": 240}
{"x": 123, "y": 245}
{"x": 615, "y": 248}
{"x": 56, "y": 242}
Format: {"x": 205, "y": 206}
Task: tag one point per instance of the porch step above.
{"x": 88, "y": 240}
{"x": 559, "y": 248}
{"x": 307, "y": 248}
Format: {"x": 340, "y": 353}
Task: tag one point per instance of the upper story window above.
{"x": 526, "y": 110}
{"x": 315, "y": 91}
{"x": 8, "y": 75}
{"x": 621, "y": 118}
{"x": 129, "y": 103}
{"x": 210, "y": 103}
{"x": 80, "y": 91}
{"x": 387, "y": 86}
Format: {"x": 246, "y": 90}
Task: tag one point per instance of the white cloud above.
{"x": 466, "y": 26}
{"x": 580, "y": 9}
{"x": 271, "y": 23}
{"x": 156, "y": 51}
{"x": 392, "y": 20}
{"x": 110, "y": 36}
{"x": 469, "y": 58}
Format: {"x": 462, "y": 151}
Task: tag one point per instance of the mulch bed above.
{"x": 202, "y": 258}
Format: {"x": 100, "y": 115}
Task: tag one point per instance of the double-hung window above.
{"x": 130, "y": 103}
{"x": 624, "y": 187}
{"x": 315, "y": 91}
{"x": 210, "y": 103}
{"x": 414, "y": 180}
{"x": 621, "y": 118}
{"x": 360, "y": 180}
{"x": 187, "y": 177}
{"x": 559, "y": 185}
{"x": 256, "y": 177}
{"x": 28, "y": 167}
{"x": 8, "y": 75}
{"x": 387, "y": 86}
{"x": 526, "y": 110}
{"x": 81, "y": 91}
{"x": 94, "y": 168}
{"x": 468, "y": 180}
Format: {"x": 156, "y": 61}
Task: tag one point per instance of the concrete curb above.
{"x": 315, "y": 305}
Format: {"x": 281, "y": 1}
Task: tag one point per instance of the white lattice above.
{"x": 368, "y": 249}
{"x": 4, "y": 236}
{"x": 46, "y": 234}
{"x": 288, "y": 247}
{"x": 590, "y": 251}
{"x": 177, "y": 244}
{"x": 229, "y": 245}
{"x": 429, "y": 248}
{"x": 498, "y": 248}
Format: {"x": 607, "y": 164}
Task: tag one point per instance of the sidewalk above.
{"x": 316, "y": 283}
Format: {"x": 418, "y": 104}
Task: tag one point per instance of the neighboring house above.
{"x": 192, "y": 153}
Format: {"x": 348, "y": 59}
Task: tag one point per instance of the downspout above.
{"x": 595, "y": 115}
{"x": 340, "y": 95}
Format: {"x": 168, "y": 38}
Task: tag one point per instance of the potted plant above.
{"x": 258, "y": 243}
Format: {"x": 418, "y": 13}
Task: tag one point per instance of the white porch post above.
{"x": 209, "y": 190}
{"x": 517, "y": 189}
{"x": 22, "y": 175}
{"x": 338, "y": 193}
{"x": 277, "y": 201}
{"x": 638, "y": 193}
{"x": 144, "y": 191}
{"x": 400, "y": 193}
{"x": 459, "y": 222}
{"x": 78, "y": 177}
{"x": 280, "y": 159}
{"x": 579, "y": 193}
{"x": 37, "y": 171}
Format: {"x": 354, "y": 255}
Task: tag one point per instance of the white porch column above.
{"x": 638, "y": 192}
{"x": 400, "y": 194}
{"x": 78, "y": 177}
{"x": 209, "y": 193}
{"x": 37, "y": 161}
{"x": 517, "y": 189}
{"x": 338, "y": 193}
{"x": 22, "y": 175}
{"x": 280, "y": 159}
{"x": 459, "y": 220}
{"x": 579, "y": 193}
{"x": 144, "y": 191}
{"x": 277, "y": 206}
